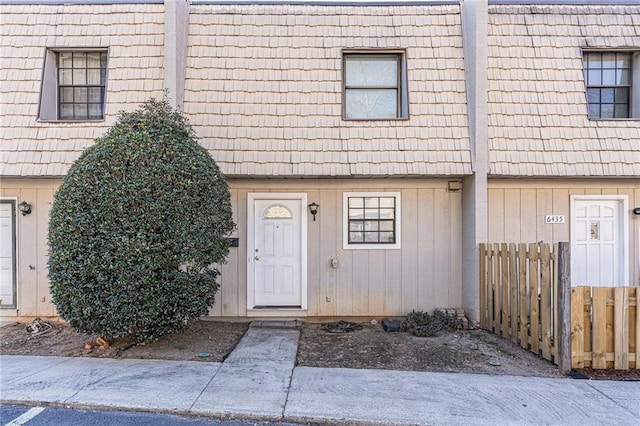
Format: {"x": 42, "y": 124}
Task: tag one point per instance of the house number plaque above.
{"x": 554, "y": 218}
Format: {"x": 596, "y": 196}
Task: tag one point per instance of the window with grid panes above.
{"x": 82, "y": 79}
{"x": 372, "y": 220}
{"x": 608, "y": 77}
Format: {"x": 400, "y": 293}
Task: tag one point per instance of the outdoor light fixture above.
{"x": 313, "y": 209}
{"x": 25, "y": 208}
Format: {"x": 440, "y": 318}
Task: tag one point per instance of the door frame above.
{"x": 623, "y": 204}
{"x": 13, "y": 201}
{"x": 251, "y": 217}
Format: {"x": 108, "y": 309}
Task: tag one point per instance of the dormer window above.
{"x": 609, "y": 81}
{"x": 74, "y": 85}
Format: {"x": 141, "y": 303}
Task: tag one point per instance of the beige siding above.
{"x": 423, "y": 274}
{"x": 537, "y": 109}
{"x": 264, "y": 86}
{"x": 33, "y": 294}
{"x": 132, "y": 33}
{"x": 517, "y": 211}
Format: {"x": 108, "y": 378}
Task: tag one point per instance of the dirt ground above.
{"x": 470, "y": 351}
{"x": 203, "y": 341}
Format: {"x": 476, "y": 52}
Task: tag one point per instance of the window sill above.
{"x": 614, "y": 119}
{"x": 40, "y": 120}
{"x": 395, "y": 246}
{"x": 376, "y": 119}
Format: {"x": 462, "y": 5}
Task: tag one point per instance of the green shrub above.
{"x": 136, "y": 229}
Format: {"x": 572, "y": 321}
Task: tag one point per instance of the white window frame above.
{"x": 364, "y": 246}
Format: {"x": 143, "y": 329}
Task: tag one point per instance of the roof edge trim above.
{"x": 328, "y": 2}
{"x": 564, "y": 2}
{"x": 76, "y": 2}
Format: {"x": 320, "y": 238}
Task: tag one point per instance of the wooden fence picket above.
{"x": 504, "y": 290}
{"x": 513, "y": 294}
{"x": 519, "y": 300}
{"x": 577, "y": 327}
{"x": 545, "y": 301}
{"x": 483, "y": 285}
{"x": 495, "y": 324}
{"x": 523, "y": 288}
{"x": 534, "y": 288}
{"x": 555, "y": 310}
{"x": 621, "y": 333}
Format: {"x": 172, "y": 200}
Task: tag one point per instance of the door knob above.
{"x": 257, "y": 257}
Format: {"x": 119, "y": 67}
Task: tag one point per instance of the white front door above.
{"x": 7, "y": 253}
{"x": 276, "y": 273}
{"x": 598, "y": 241}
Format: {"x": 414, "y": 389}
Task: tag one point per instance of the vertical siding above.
{"x": 313, "y": 252}
{"x": 227, "y": 297}
{"x": 455, "y": 239}
{"x": 44, "y": 201}
{"x": 425, "y": 227}
{"x": 410, "y": 241}
{"x": 441, "y": 254}
{"x": 423, "y": 274}
{"x": 393, "y": 280}
{"x": 33, "y": 295}
{"x": 327, "y": 225}
{"x": 517, "y": 210}
{"x": 27, "y": 263}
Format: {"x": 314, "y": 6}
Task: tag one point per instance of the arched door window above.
{"x": 277, "y": 212}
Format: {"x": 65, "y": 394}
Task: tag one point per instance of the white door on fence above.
{"x": 276, "y": 252}
{"x": 598, "y": 241}
{"x": 7, "y": 253}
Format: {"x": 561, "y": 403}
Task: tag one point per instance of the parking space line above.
{"x": 26, "y": 416}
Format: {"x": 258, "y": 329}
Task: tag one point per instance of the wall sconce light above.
{"x": 313, "y": 209}
{"x": 25, "y": 208}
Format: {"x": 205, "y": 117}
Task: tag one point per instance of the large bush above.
{"x": 137, "y": 227}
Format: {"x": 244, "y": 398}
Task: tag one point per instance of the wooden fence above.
{"x": 525, "y": 296}
{"x": 518, "y": 295}
{"x": 605, "y": 327}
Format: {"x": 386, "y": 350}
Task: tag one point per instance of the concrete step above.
{"x": 287, "y": 325}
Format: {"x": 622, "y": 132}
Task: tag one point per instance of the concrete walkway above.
{"x": 258, "y": 380}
